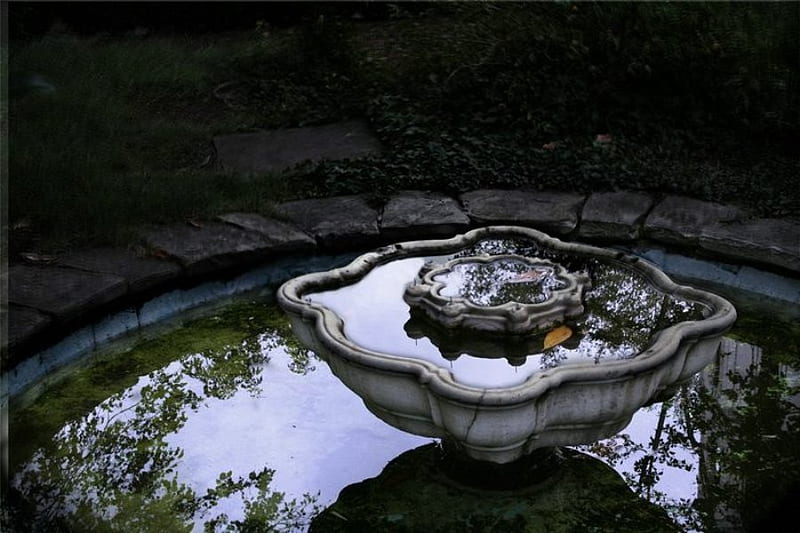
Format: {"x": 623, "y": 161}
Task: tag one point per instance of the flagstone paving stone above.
{"x": 279, "y": 150}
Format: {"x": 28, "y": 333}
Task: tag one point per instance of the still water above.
{"x": 623, "y": 313}
{"x": 223, "y": 422}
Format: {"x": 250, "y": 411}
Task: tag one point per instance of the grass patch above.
{"x": 117, "y": 136}
{"x": 697, "y": 99}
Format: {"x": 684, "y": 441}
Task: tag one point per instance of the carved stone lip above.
{"x": 328, "y": 332}
{"x": 512, "y": 317}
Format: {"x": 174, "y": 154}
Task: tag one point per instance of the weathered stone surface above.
{"x": 419, "y": 214}
{"x": 340, "y": 221}
{"x": 277, "y": 150}
{"x": 141, "y": 273}
{"x": 681, "y": 220}
{"x": 281, "y": 236}
{"x": 23, "y": 324}
{"x": 65, "y": 293}
{"x": 211, "y": 247}
{"x": 774, "y": 242}
{"x": 553, "y": 212}
{"x": 614, "y": 215}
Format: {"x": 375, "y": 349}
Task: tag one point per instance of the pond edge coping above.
{"x": 703, "y": 229}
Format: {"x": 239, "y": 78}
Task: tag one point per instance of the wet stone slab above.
{"x": 769, "y": 241}
{"x": 278, "y": 150}
{"x": 554, "y": 212}
{"x": 281, "y": 236}
{"x": 140, "y": 273}
{"x": 681, "y": 220}
{"x": 342, "y": 221}
{"x": 209, "y": 248}
{"x": 415, "y": 214}
{"x": 614, "y": 216}
{"x": 64, "y": 293}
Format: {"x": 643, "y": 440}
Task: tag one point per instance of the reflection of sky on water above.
{"x": 623, "y": 312}
{"x": 676, "y": 478}
{"x": 317, "y": 435}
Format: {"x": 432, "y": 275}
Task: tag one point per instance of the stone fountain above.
{"x": 503, "y": 341}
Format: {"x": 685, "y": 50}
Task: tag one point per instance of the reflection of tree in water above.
{"x": 552, "y": 358}
{"x": 624, "y": 311}
{"x": 738, "y": 427}
{"x": 114, "y": 469}
{"x": 526, "y": 248}
{"x": 499, "y": 282}
{"x": 516, "y": 246}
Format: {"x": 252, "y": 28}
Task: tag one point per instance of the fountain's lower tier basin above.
{"x": 646, "y": 334}
{"x": 504, "y": 425}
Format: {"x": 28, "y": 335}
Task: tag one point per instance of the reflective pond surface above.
{"x": 224, "y": 423}
{"x": 623, "y": 313}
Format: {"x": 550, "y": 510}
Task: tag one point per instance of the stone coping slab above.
{"x": 140, "y": 273}
{"x": 680, "y": 220}
{"x": 24, "y": 323}
{"x": 279, "y": 150}
{"x": 339, "y": 221}
{"x": 614, "y": 215}
{"x": 424, "y": 214}
{"x": 725, "y": 231}
{"x": 63, "y": 293}
{"x": 281, "y": 237}
{"x": 554, "y": 212}
{"x": 41, "y": 299}
{"x": 772, "y": 241}
{"x": 208, "y": 247}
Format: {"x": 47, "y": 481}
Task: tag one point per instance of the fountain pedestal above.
{"x": 528, "y": 471}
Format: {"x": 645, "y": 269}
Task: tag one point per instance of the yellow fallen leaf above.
{"x": 557, "y": 336}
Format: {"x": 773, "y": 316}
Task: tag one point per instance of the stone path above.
{"x": 46, "y": 301}
{"x": 278, "y": 150}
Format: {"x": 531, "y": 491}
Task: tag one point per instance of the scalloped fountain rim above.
{"x": 329, "y": 327}
{"x": 508, "y": 318}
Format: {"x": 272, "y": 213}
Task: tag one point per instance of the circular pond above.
{"x": 223, "y": 421}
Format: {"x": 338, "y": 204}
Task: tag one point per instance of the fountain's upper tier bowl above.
{"x": 640, "y": 335}
{"x": 504, "y": 294}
